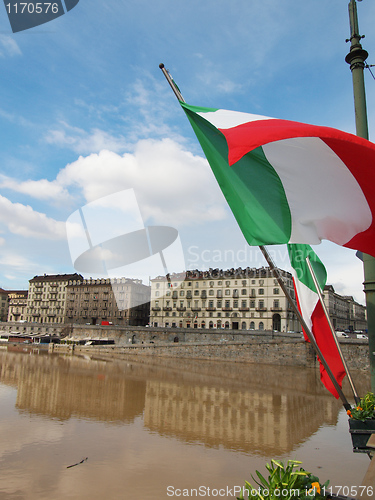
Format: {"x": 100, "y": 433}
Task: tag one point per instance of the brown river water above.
{"x": 76, "y": 427}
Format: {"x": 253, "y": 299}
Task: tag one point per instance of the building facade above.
{"x": 344, "y": 311}
{"x": 238, "y": 299}
{"x": 17, "y": 305}
{"x": 118, "y": 301}
{"x": 4, "y": 304}
{"x": 46, "y": 302}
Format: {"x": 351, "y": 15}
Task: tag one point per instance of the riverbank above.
{"x": 278, "y": 351}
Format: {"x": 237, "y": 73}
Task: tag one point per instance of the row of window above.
{"x": 225, "y": 325}
{"x": 219, "y": 304}
{"x": 219, "y": 293}
{"x": 211, "y": 284}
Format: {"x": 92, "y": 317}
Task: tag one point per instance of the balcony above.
{"x": 244, "y": 308}
{"x": 227, "y": 308}
{"x": 261, "y": 309}
{"x": 181, "y": 309}
{"x": 196, "y": 309}
{"x": 167, "y": 309}
{"x": 276, "y": 309}
{"x": 210, "y": 308}
{"x": 156, "y": 308}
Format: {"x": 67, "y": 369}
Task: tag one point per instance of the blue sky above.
{"x": 85, "y": 112}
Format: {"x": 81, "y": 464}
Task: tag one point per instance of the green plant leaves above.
{"x": 364, "y": 409}
{"x": 286, "y": 483}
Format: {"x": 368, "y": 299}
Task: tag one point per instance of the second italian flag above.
{"x": 312, "y": 310}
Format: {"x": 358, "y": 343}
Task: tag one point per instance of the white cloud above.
{"x": 172, "y": 186}
{"x": 83, "y": 142}
{"x": 41, "y": 189}
{"x": 211, "y": 78}
{"x": 18, "y": 268}
{"x": 24, "y": 221}
{"x": 8, "y": 46}
{"x": 15, "y": 261}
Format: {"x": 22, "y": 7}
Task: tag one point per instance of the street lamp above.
{"x": 356, "y": 59}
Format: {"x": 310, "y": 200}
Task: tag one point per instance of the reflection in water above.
{"x": 251, "y": 411}
{"x": 262, "y": 422}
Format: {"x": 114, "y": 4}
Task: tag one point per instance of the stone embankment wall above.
{"x": 225, "y": 345}
{"x": 230, "y": 345}
{"x": 17, "y": 327}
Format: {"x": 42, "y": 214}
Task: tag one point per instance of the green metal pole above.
{"x": 356, "y": 58}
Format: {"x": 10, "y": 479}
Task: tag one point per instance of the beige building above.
{"x": 239, "y": 299}
{"x": 17, "y": 305}
{"x": 4, "y": 304}
{"x": 344, "y": 311}
{"x": 46, "y": 302}
{"x": 119, "y": 301}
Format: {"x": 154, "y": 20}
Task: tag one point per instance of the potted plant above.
{"x": 362, "y": 421}
{"x": 285, "y": 482}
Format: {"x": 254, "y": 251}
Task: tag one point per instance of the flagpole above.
{"x": 275, "y": 272}
{"x": 320, "y": 295}
{"x": 171, "y": 82}
{"x": 356, "y": 59}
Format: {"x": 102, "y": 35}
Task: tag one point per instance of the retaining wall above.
{"x": 287, "y": 352}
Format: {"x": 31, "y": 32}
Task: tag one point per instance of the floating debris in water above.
{"x": 81, "y": 462}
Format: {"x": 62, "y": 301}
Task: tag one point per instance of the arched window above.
{"x": 261, "y": 325}
{"x": 243, "y": 326}
{"x": 252, "y": 325}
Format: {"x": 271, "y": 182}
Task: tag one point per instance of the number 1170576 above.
{"x": 32, "y": 8}
{"x": 349, "y": 491}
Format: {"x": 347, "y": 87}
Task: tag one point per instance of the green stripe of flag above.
{"x": 263, "y": 219}
{"x": 297, "y": 255}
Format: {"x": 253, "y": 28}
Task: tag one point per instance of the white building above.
{"x": 46, "y": 302}
{"x": 239, "y": 299}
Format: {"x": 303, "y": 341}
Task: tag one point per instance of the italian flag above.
{"x": 312, "y": 310}
{"x": 289, "y": 182}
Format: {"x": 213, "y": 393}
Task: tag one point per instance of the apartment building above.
{"x": 344, "y": 311}
{"x": 17, "y": 305}
{"x": 4, "y": 304}
{"x": 239, "y": 299}
{"x": 46, "y": 302}
{"x": 119, "y": 301}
